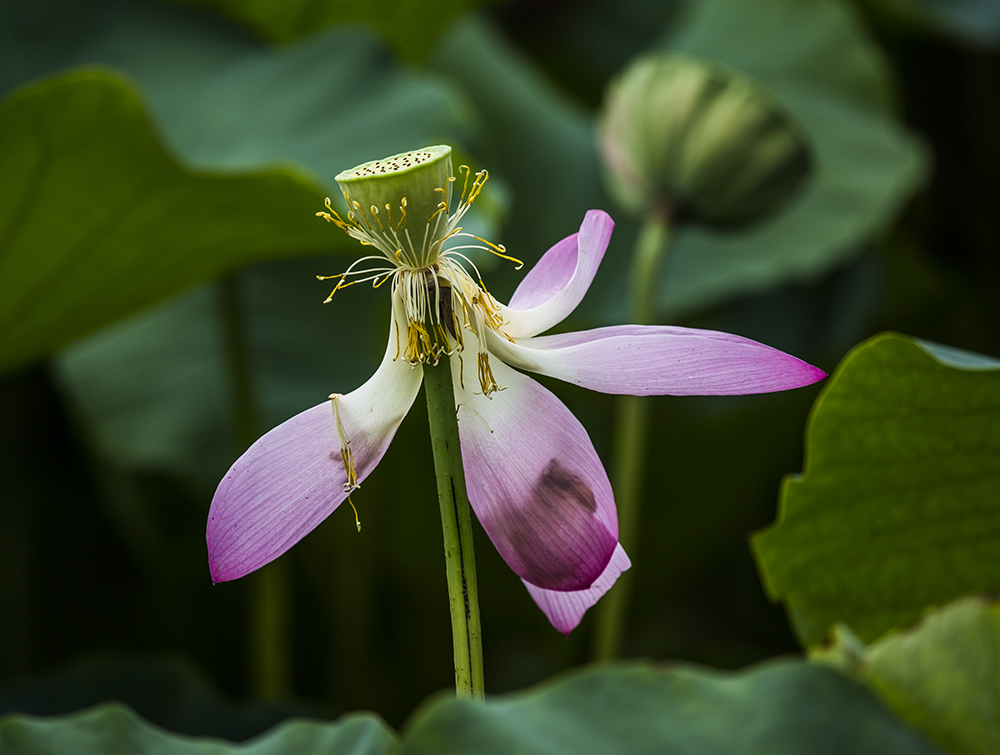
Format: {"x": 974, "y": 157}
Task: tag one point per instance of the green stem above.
{"x": 647, "y": 257}
{"x": 269, "y": 661}
{"x": 456, "y": 519}
{"x": 630, "y": 433}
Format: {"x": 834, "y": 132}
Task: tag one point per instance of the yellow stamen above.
{"x": 500, "y": 251}
{"x": 441, "y": 300}
{"x": 345, "y": 447}
{"x": 357, "y": 521}
{"x": 486, "y": 380}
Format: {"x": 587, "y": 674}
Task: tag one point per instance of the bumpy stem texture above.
{"x": 456, "y": 520}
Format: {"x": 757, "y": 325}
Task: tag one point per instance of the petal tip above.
{"x": 596, "y": 228}
{"x": 814, "y": 375}
{"x": 599, "y": 216}
{"x": 565, "y": 610}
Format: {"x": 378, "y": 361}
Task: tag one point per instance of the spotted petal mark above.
{"x": 535, "y": 481}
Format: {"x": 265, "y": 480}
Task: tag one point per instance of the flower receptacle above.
{"x": 406, "y": 196}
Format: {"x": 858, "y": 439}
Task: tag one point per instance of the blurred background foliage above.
{"x": 161, "y": 165}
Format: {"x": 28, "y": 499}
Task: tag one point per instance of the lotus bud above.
{"x": 697, "y": 137}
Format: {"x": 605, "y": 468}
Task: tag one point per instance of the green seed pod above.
{"x": 404, "y": 197}
{"x": 709, "y": 143}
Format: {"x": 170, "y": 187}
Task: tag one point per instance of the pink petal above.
{"x": 556, "y": 284}
{"x": 565, "y": 609}
{"x": 644, "y": 360}
{"x": 534, "y": 480}
{"x": 293, "y": 477}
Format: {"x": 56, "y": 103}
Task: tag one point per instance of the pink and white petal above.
{"x": 534, "y": 479}
{"x": 549, "y": 275}
{"x": 565, "y": 609}
{"x": 556, "y": 284}
{"x": 293, "y": 477}
{"x": 644, "y": 360}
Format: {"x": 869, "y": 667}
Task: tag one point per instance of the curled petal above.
{"x": 295, "y": 476}
{"x": 557, "y": 283}
{"x": 534, "y": 479}
{"x": 645, "y": 360}
{"x": 565, "y": 609}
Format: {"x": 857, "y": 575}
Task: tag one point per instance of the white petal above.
{"x": 293, "y": 477}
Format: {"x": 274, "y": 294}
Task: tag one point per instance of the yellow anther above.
{"x": 500, "y": 251}
{"x": 357, "y": 521}
{"x": 465, "y": 184}
{"x": 375, "y": 215}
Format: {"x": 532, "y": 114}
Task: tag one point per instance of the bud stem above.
{"x": 456, "y": 520}
{"x": 650, "y": 249}
{"x": 630, "y": 433}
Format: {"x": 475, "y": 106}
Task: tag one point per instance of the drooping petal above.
{"x": 293, "y": 477}
{"x": 534, "y": 479}
{"x": 644, "y": 360}
{"x": 557, "y": 283}
{"x": 565, "y": 609}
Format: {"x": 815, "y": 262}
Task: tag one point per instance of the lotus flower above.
{"x": 534, "y": 480}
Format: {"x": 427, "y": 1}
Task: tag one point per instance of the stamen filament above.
{"x": 486, "y": 380}
{"x": 346, "y": 456}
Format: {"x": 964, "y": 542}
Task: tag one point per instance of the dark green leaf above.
{"x": 97, "y": 220}
{"x": 223, "y": 100}
{"x": 898, "y": 507}
{"x": 940, "y": 675}
{"x": 113, "y": 729}
{"x": 411, "y": 28}
{"x": 780, "y": 708}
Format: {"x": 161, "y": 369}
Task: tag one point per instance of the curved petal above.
{"x": 293, "y": 477}
{"x": 645, "y": 360}
{"x": 565, "y": 609}
{"x": 534, "y": 480}
{"x": 557, "y": 283}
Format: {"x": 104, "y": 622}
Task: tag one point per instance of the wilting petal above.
{"x": 645, "y": 360}
{"x": 293, "y": 477}
{"x": 557, "y": 283}
{"x": 535, "y": 481}
{"x": 565, "y": 609}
